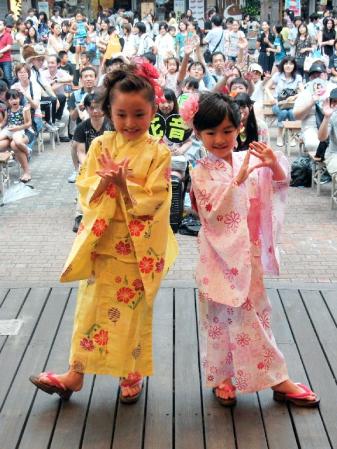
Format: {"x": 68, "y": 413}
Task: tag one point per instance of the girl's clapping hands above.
{"x": 113, "y": 172}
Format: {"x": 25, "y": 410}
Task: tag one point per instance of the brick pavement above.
{"x": 36, "y": 234}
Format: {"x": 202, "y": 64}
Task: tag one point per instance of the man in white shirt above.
{"x": 57, "y": 79}
{"x": 215, "y": 37}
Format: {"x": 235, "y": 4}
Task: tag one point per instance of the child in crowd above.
{"x": 17, "y": 132}
{"x": 124, "y": 243}
{"x": 240, "y": 199}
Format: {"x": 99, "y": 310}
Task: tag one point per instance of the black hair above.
{"x": 13, "y": 93}
{"x": 313, "y": 16}
{"x": 217, "y": 20}
{"x": 86, "y": 69}
{"x": 171, "y": 96}
{"x": 191, "y": 82}
{"x": 284, "y": 61}
{"x": 58, "y": 60}
{"x": 172, "y": 58}
{"x": 150, "y": 57}
{"x": 217, "y": 53}
{"x": 229, "y": 20}
{"x": 243, "y": 99}
{"x": 238, "y": 80}
{"x": 3, "y": 86}
{"x": 44, "y": 15}
{"x": 95, "y": 97}
{"x": 194, "y": 63}
{"x": 141, "y": 27}
{"x": 125, "y": 80}
{"x": 163, "y": 25}
{"x": 214, "y": 107}
{"x": 62, "y": 53}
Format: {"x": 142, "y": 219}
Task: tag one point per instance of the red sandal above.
{"x": 133, "y": 380}
{"x": 55, "y": 386}
{"x": 229, "y": 402}
{"x": 299, "y": 399}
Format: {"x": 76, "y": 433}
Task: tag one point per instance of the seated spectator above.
{"x": 58, "y": 79}
{"x": 310, "y": 101}
{"x": 86, "y": 132}
{"x": 18, "y": 132}
{"x": 31, "y": 92}
{"x": 32, "y": 36}
{"x": 328, "y": 132}
{"x": 285, "y": 78}
{"x": 109, "y": 66}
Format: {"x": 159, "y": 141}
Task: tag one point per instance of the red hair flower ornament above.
{"x": 151, "y": 74}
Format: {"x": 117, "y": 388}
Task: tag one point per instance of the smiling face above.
{"x": 131, "y": 113}
{"x": 196, "y": 71}
{"x": 220, "y": 140}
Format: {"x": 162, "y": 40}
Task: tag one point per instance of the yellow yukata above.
{"x": 120, "y": 255}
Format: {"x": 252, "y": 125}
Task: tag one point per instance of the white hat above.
{"x": 256, "y": 67}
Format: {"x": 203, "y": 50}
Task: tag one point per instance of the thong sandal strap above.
{"x": 55, "y": 382}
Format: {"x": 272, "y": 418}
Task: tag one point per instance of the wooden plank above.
{"x": 11, "y": 307}
{"x": 159, "y": 417}
{"x": 188, "y": 401}
{"x": 218, "y": 420}
{"x": 3, "y": 294}
{"x": 21, "y": 394}
{"x": 324, "y": 325}
{"x": 277, "y": 421}
{"x": 331, "y": 301}
{"x": 16, "y": 345}
{"x": 309, "y": 426}
{"x": 45, "y": 409}
{"x": 321, "y": 377}
{"x": 71, "y": 419}
{"x": 248, "y": 423}
{"x": 100, "y": 422}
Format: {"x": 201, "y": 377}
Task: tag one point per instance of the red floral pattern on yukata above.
{"x": 160, "y": 265}
{"x": 87, "y": 344}
{"x": 136, "y": 227}
{"x": 111, "y": 191}
{"x": 146, "y": 264}
{"x": 123, "y": 248}
{"x": 101, "y": 338}
{"x": 138, "y": 285}
{"x": 99, "y": 227}
{"x": 125, "y": 294}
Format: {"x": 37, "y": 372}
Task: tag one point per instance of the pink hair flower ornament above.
{"x": 188, "y": 109}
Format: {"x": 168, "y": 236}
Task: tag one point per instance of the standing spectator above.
{"x": 145, "y": 42}
{"x": 215, "y": 37}
{"x": 6, "y": 43}
{"x": 43, "y": 28}
{"x": 55, "y": 42}
{"x": 32, "y": 16}
{"x": 264, "y": 42}
{"x": 129, "y": 48}
{"x": 181, "y": 39}
{"x": 278, "y": 50}
{"x": 237, "y": 43}
{"x": 56, "y": 17}
{"x": 164, "y": 44}
{"x": 326, "y": 38}
{"x": 208, "y": 22}
{"x": 293, "y": 34}
{"x": 303, "y": 47}
{"x": 314, "y": 26}
{"x": 20, "y": 36}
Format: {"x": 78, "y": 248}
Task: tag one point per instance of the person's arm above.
{"x": 268, "y": 86}
{"x": 188, "y": 49}
{"x": 73, "y": 113}
{"x": 324, "y": 131}
{"x": 80, "y": 149}
{"x": 303, "y": 105}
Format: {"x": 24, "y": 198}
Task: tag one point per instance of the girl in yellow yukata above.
{"x": 124, "y": 243}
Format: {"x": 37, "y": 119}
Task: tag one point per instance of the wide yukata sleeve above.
{"x": 224, "y": 269}
{"x": 273, "y": 198}
{"x": 97, "y": 215}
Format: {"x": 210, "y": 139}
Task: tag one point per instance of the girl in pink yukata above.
{"x": 240, "y": 199}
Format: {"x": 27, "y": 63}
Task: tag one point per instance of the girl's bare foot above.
{"x": 290, "y": 387}
{"x": 225, "y": 390}
{"x": 71, "y": 380}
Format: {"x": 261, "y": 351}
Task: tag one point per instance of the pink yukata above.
{"x": 237, "y": 245}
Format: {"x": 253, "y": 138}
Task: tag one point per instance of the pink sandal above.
{"x": 55, "y": 386}
{"x": 229, "y": 402}
{"x": 299, "y": 399}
